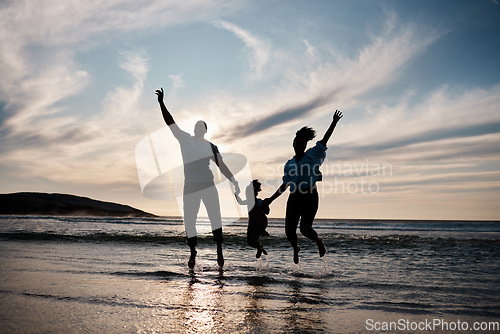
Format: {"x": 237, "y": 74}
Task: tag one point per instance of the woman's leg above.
{"x": 311, "y": 203}
{"x": 293, "y": 211}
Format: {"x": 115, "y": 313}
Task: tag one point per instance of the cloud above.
{"x": 98, "y": 150}
{"x": 336, "y": 79}
{"x": 426, "y": 136}
{"x": 71, "y": 22}
{"x": 38, "y": 42}
{"x": 447, "y": 135}
{"x": 177, "y": 81}
{"x": 135, "y": 64}
{"x": 32, "y": 98}
{"x": 279, "y": 117}
{"x": 442, "y": 115}
{"x": 260, "y": 49}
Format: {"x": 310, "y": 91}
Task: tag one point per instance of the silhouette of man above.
{"x": 198, "y": 180}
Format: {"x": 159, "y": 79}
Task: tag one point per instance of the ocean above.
{"x": 130, "y": 275}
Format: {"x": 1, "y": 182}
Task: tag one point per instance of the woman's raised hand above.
{"x": 337, "y": 116}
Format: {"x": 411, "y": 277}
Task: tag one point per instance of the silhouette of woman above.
{"x": 301, "y": 174}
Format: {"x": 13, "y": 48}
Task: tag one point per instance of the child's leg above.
{"x": 262, "y": 249}
{"x": 253, "y": 241}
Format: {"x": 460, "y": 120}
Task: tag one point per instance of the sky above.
{"x": 418, "y": 83}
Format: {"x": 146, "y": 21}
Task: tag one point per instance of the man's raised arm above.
{"x": 166, "y": 114}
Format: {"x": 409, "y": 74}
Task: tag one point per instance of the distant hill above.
{"x": 63, "y": 205}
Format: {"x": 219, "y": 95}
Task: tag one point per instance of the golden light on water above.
{"x": 205, "y": 312}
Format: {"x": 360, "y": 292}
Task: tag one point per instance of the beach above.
{"x": 130, "y": 275}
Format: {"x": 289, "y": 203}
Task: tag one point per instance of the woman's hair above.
{"x": 307, "y": 133}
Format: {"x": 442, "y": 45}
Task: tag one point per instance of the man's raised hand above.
{"x": 160, "y": 94}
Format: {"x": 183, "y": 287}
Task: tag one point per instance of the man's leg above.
{"x": 212, "y": 204}
{"x": 191, "y": 203}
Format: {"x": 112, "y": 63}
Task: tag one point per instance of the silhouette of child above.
{"x": 257, "y": 219}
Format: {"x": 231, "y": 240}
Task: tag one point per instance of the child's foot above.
{"x": 296, "y": 255}
{"x": 192, "y": 259}
{"x": 260, "y": 251}
{"x": 220, "y": 257}
{"x": 321, "y": 248}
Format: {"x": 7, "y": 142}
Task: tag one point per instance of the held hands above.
{"x": 160, "y": 94}
{"x": 337, "y": 116}
{"x": 236, "y": 188}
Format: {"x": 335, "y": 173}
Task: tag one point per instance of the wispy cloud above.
{"x": 446, "y": 142}
{"x": 440, "y": 145}
{"x": 98, "y": 149}
{"x": 316, "y": 82}
{"x": 337, "y": 79}
{"x": 71, "y": 22}
{"x": 442, "y": 115}
{"x": 31, "y": 98}
{"x": 38, "y": 43}
{"x": 259, "y": 49}
{"x": 177, "y": 81}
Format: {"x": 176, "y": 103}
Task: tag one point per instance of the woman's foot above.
{"x": 192, "y": 259}
{"x": 321, "y": 248}
{"x": 296, "y": 251}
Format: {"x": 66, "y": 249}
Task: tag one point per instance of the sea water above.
{"x": 130, "y": 275}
